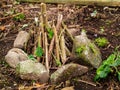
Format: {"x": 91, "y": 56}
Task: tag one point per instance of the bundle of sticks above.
{"x": 55, "y": 50}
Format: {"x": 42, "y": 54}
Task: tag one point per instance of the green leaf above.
{"x": 96, "y": 78}
{"x": 110, "y": 60}
{"x": 107, "y": 69}
{"x": 113, "y": 61}
{"x": 118, "y": 75}
{"x": 58, "y": 62}
{"x": 116, "y": 63}
{"x": 39, "y": 51}
{"x": 116, "y": 59}
{"x": 101, "y": 68}
{"x": 19, "y": 17}
{"x": 50, "y": 33}
{"x": 31, "y": 57}
{"x": 94, "y": 13}
{"x": 103, "y": 72}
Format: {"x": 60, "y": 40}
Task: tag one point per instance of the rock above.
{"x": 31, "y": 70}
{"x": 14, "y": 56}
{"x": 74, "y": 31}
{"x": 67, "y": 72}
{"x": 21, "y": 39}
{"x": 68, "y": 88}
{"x": 86, "y": 50}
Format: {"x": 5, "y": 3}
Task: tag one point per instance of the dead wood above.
{"x": 82, "y": 2}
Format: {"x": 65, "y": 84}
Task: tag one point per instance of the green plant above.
{"x": 101, "y": 41}
{"x": 39, "y": 51}
{"x": 108, "y": 66}
{"x": 94, "y": 13}
{"x": 31, "y": 57}
{"x": 50, "y": 32}
{"x": 19, "y": 17}
{"x": 58, "y": 63}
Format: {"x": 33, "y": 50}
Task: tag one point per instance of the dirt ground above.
{"x": 105, "y": 24}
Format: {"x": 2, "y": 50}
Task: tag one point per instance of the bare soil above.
{"x": 105, "y": 24}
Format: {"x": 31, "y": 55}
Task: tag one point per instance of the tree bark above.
{"x": 82, "y": 2}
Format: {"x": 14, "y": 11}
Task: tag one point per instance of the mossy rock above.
{"x": 66, "y": 72}
{"x": 86, "y": 50}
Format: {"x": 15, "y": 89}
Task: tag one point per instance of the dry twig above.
{"x": 46, "y": 53}
{"x": 8, "y": 17}
{"x": 63, "y": 51}
{"x": 56, "y": 43}
{"x": 59, "y": 21}
{"x": 90, "y": 83}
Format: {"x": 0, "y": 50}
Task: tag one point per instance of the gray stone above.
{"x": 86, "y": 50}
{"x": 66, "y": 72}
{"x": 14, "y": 56}
{"x": 31, "y": 70}
{"x": 21, "y": 40}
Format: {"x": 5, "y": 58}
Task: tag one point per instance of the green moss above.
{"x": 92, "y": 47}
{"x": 79, "y": 50}
{"x": 101, "y": 41}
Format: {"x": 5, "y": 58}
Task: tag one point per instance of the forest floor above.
{"x": 106, "y": 23}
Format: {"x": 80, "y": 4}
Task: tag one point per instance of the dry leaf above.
{"x": 2, "y": 28}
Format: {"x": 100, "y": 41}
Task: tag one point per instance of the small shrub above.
{"x": 109, "y": 65}
{"x": 101, "y": 41}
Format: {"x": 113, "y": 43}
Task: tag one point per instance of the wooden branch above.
{"x": 59, "y": 22}
{"x": 39, "y": 42}
{"x": 51, "y": 48}
{"x": 46, "y": 53}
{"x": 63, "y": 51}
{"x": 56, "y": 43}
{"x": 82, "y": 2}
{"x": 67, "y": 31}
{"x": 44, "y": 15}
{"x": 68, "y": 53}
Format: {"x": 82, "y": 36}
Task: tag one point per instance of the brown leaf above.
{"x": 2, "y": 28}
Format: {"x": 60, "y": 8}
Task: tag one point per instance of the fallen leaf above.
{"x": 2, "y": 28}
